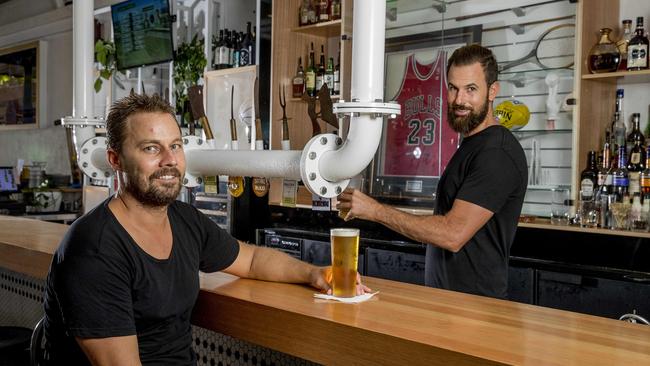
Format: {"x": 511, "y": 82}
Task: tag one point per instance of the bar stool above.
{"x": 14, "y": 342}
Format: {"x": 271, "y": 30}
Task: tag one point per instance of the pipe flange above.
{"x": 82, "y": 122}
{"x": 86, "y": 164}
{"x": 378, "y": 109}
{"x": 309, "y": 171}
{"x": 193, "y": 143}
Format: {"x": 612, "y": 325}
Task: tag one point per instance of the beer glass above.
{"x": 345, "y": 250}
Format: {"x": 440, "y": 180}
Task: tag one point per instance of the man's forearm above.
{"x": 428, "y": 229}
{"x": 273, "y": 265}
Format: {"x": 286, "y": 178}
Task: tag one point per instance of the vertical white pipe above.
{"x": 368, "y": 37}
{"x": 82, "y": 57}
{"x": 82, "y": 63}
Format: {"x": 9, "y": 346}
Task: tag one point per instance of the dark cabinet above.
{"x": 592, "y": 295}
{"x": 393, "y": 265}
{"x": 521, "y": 284}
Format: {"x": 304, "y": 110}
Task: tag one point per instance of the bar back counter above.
{"x": 403, "y": 324}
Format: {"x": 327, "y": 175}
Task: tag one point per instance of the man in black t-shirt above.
{"x": 479, "y": 196}
{"x": 123, "y": 282}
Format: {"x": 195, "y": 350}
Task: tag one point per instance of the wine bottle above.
{"x": 637, "y": 49}
{"x": 310, "y": 75}
{"x": 320, "y": 74}
{"x": 246, "y": 48}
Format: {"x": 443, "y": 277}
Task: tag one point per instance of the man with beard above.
{"x": 479, "y": 196}
{"x": 124, "y": 280}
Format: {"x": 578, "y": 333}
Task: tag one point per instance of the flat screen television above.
{"x": 142, "y": 30}
{"x": 7, "y": 180}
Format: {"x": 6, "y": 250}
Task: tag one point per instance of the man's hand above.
{"x": 321, "y": 278}
{"x": 357, "y": 205}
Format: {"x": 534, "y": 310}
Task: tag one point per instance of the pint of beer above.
{"x": 345, "y": 250}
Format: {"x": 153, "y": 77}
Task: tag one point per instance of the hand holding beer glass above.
{"x": 345, "y": 250}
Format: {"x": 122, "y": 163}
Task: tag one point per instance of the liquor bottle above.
{"x": 229, "y": 42}
{"x": 636, "y": 136}
{"x": 605, "y": 180}
{"x": 618, "y": 107}
{"x": 337, "y": 75}
{"x": 320, "y": 74}
{"x": 620, "y": 183}
{"x": 329, "y": 75}
{"x": 222, "y": 51}
{"x": 310, "y": 75}
{"x": 312, "y": 12}
{"x": 303, "y": 13}
{"x": 216, "y": 42}
{"x": 637, "y": 49}
{"x": 336, "y": 10}
{"x": 619, "y": 131}
{"x": 236, "y": 41}
{"x": 623, "y": 42}
{"x": 635, "y": 165}
{"x": 645, "y": 177}
{"x": 299, "y": 80}
{"x": 637, "y": 221}
{"x": 589, "y": 178}
{"x": 246, "y": 48}
{"x": 324, "y": 10}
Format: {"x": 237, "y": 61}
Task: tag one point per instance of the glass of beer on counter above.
{"x": 345, "y": 253}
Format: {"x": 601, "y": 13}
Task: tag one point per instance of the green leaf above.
{"x": 98, "y": 85}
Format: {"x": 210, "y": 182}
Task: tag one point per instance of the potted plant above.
{"x": 189, "y": 63}
{"x": 105, "y": 56}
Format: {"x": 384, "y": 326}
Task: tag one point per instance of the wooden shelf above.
{"x": 622, "y": 77}
{"x": 545, "y": 224}
{"x": 325, "y": 29}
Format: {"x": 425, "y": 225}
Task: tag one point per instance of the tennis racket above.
{"x": 553, "y": 49}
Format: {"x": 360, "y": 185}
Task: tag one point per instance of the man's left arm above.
{"x": 268, "y": 264}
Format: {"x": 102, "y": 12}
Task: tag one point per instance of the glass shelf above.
{"x": 332, "y": 97}
{"x": 521, "y": 78}
{"x": 520, "y": 134}
{"x": 324, "y": 29}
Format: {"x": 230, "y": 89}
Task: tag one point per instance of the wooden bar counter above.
{"x": 403, "y": 324}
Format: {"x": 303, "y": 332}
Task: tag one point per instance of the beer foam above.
{"x": 344, "y": 232}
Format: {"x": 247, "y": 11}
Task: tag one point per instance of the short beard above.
{"x": 150, "y": 195}
{"x": 465, "y": 125}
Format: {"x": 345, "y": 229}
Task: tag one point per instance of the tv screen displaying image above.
{"x": 142, "y": 33}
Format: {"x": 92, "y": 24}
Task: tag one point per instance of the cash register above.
{"x": 9, "y": 206}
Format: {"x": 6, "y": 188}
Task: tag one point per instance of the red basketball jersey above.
{"x": 419, "y": 142}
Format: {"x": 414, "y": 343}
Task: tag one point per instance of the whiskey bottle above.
{"x": 299, "y": 80}
{"x": 324, "y": 9}
{"x": 645, "y": 177}
{"x": 623, "y": 42}
{"x": 637, "y": 49}
{"x": 589, "y": 178}
{"x": 336, "y": 10}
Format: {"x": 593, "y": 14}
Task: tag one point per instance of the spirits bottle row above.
{"x": 233, "y": 49}
{"x": 317, "y": 11}
{"x": 615, "y": 186}
{"x": 630, "y": 52}
{"x": 311, "y": 80}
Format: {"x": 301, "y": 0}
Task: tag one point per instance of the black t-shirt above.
{"x": 102, "y": 284}
{"x": 489, "y": 170}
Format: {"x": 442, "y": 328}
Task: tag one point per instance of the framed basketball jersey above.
{"x": 417, "y": 145}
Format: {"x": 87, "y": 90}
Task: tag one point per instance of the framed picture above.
{"x": 20, "y": 95}
{"x": 418, "y": 144}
